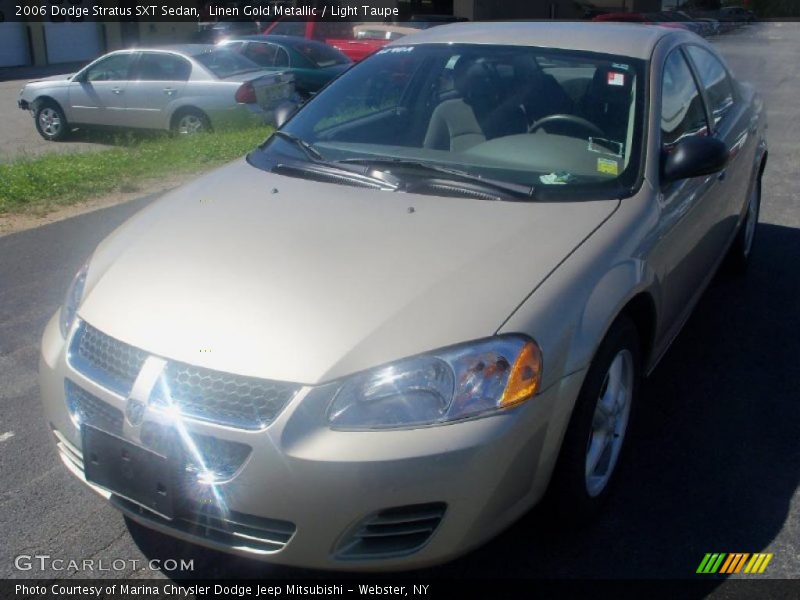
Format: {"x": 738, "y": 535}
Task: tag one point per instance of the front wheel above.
{"x": 599, "y": 425}
{"x": 51, "y": 123}
{"x": 190, "y": 122}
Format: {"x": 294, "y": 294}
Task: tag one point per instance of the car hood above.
{"x": 63, "y": 77}
{"x": 276, "y": 277}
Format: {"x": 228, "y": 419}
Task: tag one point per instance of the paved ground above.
{"x": 17, "y": 131}
{"x": 714, "y": 466}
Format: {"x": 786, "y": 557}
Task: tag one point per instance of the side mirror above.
{"x": 283, "y": 113}
{"x": 694, "y": 157}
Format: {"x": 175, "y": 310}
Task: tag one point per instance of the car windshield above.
{"x": 321, "y": 55}
{"x": 225, "y": 63}
{"x": 553, "y": 120}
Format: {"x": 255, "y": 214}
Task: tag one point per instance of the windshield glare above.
{"x": 551, "y": 119}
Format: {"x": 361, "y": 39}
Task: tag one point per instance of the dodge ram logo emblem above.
{"x": 134, "y": 411}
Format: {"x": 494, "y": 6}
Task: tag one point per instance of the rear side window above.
{"x": 162, "y": 67}
{"x": 682, "y": 111}
{"x": 715, "y": 80}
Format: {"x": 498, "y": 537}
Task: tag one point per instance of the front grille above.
{"x": 204, "y": 456}
{"x": 229, "y": 529}
{"x": 86, "y": 408}
{"x": 242, "y": 402}
{"x": 393, "y": 531}
{"x": 213, "y": 396}
{"x": 111, "y": 363}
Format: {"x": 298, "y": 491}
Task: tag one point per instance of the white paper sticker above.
{"x": 616, "y": 78}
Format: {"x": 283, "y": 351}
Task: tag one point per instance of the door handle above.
{"x": 117, "y": 90}
{"x": 722, "y": 174}
{"x": 169, "y": 91}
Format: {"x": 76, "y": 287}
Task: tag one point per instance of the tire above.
{"x": 739, "y": 254}
{"x": 577, "y": 491}
{"x": 51, "y": 123}
{"x": 190, "y": 121}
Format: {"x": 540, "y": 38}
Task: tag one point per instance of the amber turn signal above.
{"x": 524, "y": 378}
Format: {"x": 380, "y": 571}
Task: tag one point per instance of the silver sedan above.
{"x": 426, "y": 301}
{"x": 185, "y": 89}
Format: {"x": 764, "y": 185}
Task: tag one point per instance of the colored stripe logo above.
{"x": 737, "y": 562}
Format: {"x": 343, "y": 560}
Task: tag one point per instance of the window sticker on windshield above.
{"x": 604, "y": 146}
{"x": 607, "y": 166}
{"x": 616, "y": 78}
{"x": 560, "y": 178}
{"x": 619, "y": 66}
{"x": 397, "y": 50}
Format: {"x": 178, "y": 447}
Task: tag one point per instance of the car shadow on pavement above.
{"x": 712, "y": 467}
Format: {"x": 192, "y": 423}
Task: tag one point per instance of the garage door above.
{"x": 72, "y": 42}
{"x": 13, "y": 45}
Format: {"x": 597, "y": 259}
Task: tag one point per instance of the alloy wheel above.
{"x": 609, "y": 423}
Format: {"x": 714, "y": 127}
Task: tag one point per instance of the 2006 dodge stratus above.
{"x": 423, "y": 302}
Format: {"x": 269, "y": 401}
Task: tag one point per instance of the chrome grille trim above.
{"x": 105, "y": 360}
{"x": 222, "y": 398}
{"x": 258, "y": 535}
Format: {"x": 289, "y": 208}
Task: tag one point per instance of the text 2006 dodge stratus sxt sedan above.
{"x": 429, "y": 298}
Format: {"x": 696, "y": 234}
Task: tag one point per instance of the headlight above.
{"x": 452, "y": 384}
{"x": 72, "y": 300}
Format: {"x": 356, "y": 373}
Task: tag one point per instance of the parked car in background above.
{"x": 312, "y": 63}
{"x": 674, "y": 16}
{"x": 642, "y": 18}
{"x": 338, "y": 34}
{"x": 736, "y": 14}
{"x": 185, "y": 89}
{"x": 427, "y": 21}
{"x": 216, "y": 31}
{"x": 424, "y": 302}
{"x": 381, "y": 32}
{"x": 712, "y": 25}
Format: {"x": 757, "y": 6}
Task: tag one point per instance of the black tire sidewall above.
{"x": 62, "y": 132}
{"x": 738, "y": 260}
{"x": 569, "y": 496}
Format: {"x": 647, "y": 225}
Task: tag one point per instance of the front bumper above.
{"x": 320, "y": 489}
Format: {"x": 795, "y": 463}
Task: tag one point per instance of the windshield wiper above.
{"x": 515, "y": 189}
{"x": 306, "y": 147}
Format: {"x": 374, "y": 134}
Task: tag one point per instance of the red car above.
{"x": 338, "y": 34}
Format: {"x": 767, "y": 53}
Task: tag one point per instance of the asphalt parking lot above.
{"x": 714, "y": 464}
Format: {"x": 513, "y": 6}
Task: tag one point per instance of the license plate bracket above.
{"x": 133, "y": 472}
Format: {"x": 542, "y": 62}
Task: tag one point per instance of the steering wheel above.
{"x": 571, "y": 119}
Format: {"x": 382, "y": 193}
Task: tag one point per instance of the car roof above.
{"x": 286, "y": 40}
{"x": 187, "y": 49}
{"x": 623, "y": 39}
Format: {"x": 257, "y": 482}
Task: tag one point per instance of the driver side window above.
{"x": 113, "y": 68}
{"x": 682, "y": 110}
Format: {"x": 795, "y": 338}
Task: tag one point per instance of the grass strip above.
{"x": 40, "y": 183}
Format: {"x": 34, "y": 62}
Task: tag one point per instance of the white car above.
{"x": 185, "y": 89}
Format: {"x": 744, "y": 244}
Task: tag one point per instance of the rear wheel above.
{"x": 51, "y": 123}
{"x": 190, "y": 122}
{"x": 739, "y": 255}
{"x": 598, "y": 428}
